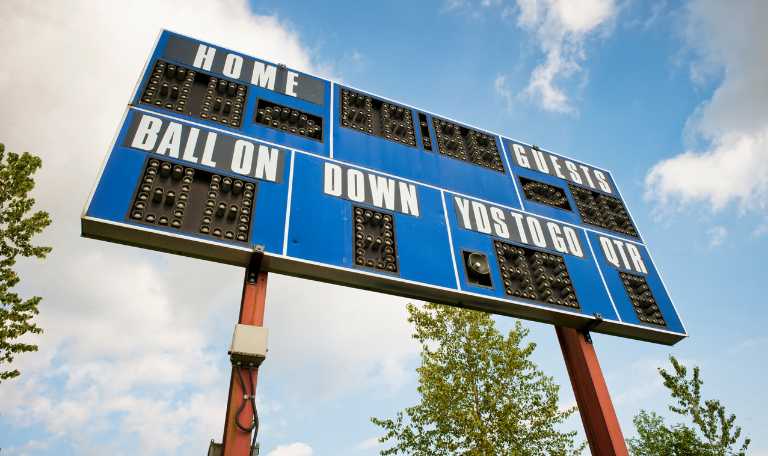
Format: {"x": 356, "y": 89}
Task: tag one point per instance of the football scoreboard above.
{"x": 220, "y": 154}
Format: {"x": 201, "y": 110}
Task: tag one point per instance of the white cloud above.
{"x": 501, "y": 85}
{"x": 761, "y": 229}
{"x": 717, "y": 235}
{"x": 135, "y": 342}
{"x": 294, "y": 449}
{"x": 368, "y": 444}
{"x": 733, "y": 166}
{"x": 561, "y": 28}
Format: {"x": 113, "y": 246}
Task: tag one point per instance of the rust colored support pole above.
{"x": 595, "y": 406}
{"x": 236, "y": 442}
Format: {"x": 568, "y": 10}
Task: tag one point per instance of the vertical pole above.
{"x": 595, "y": 406}
{"x": 236, "y": 442}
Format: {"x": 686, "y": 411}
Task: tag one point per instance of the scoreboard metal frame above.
{"x": 225, "y": 153}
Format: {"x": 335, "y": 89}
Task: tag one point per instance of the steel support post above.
{"x": 236, "y": 442}
{"x": 595, "y": 406}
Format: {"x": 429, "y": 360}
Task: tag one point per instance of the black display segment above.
{"x": 374, "y": 241}
{"x": 535, "y": 275}
{"x": 540, "y": 192}
{"x": 426, "y": 140}
{"x": 642, "y": 299}
{"x": 194, "y": 201}
{"x": 190, "y": 92}
{"x": 466, "y": 144}
{"x": 376, "y": 117}
{"x": 289, "y": 120}
{"x": 602, "y": 210}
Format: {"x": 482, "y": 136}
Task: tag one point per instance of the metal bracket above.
{"x": 254, "y": 265}
{"x": 592, "y": 324}
{"x": 217, "y": 449}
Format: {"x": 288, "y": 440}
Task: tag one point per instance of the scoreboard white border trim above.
{"x": 458, "y": 291}
{"x": 450, "y": 240}
{"x": 602, "y": 278}
{"x": 330, "y": 124}
{"x": 511, "y": 176}
{"x": 288, "y": 204}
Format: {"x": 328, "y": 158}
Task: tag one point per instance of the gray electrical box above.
{"x": 249, "y": 345}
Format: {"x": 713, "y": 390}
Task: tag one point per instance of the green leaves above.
{"x": 480, "y": 392}
{"x": 17, "y": 228}
{"x": 714, "y": 432}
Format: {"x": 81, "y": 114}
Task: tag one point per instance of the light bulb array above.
{"x": 193, "y": 201}
{"x": 376, "y": 117}
{"x": 540, "y": 192}
{"x": 642, "y": 299}
{"x": 426, "y": 140}
{"x": 466, "y": 144}
{"x": 163, "y": 194}
{"x": 535, "y": 275}
{"x": 374, "y": 241}
{"x": 289, "y": 120}
{"x": 602, "y": 210}
{"x": 189, "y": 92}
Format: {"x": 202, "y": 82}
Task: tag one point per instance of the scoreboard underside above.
{"x": 220, "y": 154}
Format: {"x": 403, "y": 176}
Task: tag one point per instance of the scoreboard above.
{"x": 220, "y": 154}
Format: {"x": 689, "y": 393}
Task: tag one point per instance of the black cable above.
{"x": 255, "y": 412}
{"x": 254, "y": 426}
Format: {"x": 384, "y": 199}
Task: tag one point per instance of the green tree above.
{"x": 480, "y": 392}
{"x": 17, "y": 227}
{"x": 714, "y": 432}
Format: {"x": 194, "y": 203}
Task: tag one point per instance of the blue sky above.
{"x": 670, "y": 96}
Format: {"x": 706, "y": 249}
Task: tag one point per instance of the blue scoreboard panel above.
{"x": 219, "y": 153}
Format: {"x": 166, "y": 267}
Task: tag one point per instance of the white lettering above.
{"x": 463, "y": 206}
{"x": 266, "y": 163}
{"x": 242, "y": 157}
{"x": 522, "y": 160}
{"x": 210, "y": 144}
{"x": 620, "y": 248}
{"x": 541, "y": 163}
{"x": 233, "y": 66}
{"x": 171, "y": 141}
{"x": 355, "y": 185}
{"x": 290, "y": 83}
{"x": 146, "y": 133}
{"x": 610, "y": 254}
{"x": 383, "y": 191}
{"x": 204, "y": 57}
{"x": 586, "y": 174}
{"x": 573, "y": 171}
{"x": 499, "y": 224}
{"x": 573, "y": 241}
{"x": 332, "y": 180}
{"x": 637, "y": 260}
{"x": 557, "y": 239}
{"x": 481, "y": 218}
{"x": 189, "y": 149}
{"x": 602, "y": 181}
{"x": 408, "y": 199}
{"x": 264, "y": 75}
{"x": 556, "y": 166}
{"x": 537, "y": 235}
{"x": 520, "y": 228}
